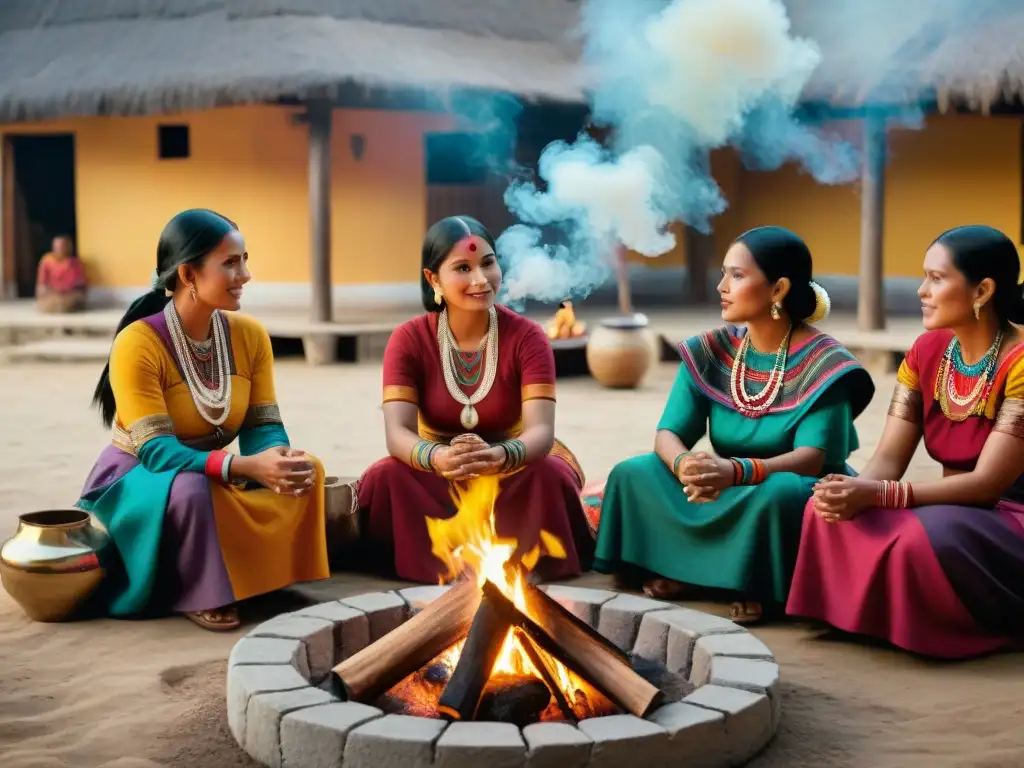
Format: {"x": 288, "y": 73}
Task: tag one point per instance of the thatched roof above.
{"x": 97, "y": 57}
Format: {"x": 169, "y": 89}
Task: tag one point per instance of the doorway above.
{"x": 39, "y": 203}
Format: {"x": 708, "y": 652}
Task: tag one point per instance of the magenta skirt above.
{"x": 942, "y": 581}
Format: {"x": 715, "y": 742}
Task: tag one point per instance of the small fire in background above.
{"x": 468, "y": 544}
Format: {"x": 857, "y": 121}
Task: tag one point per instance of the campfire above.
{"x": 494, "y": 646}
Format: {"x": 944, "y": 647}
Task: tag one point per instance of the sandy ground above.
{"x": 134, "y": 694}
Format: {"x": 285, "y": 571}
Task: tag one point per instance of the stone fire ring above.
{"x": 281, "y": 718}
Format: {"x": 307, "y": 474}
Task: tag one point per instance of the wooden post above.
{"x": 871, "y": 293}
{"x": 700, "y": 248}
{"x": 319, "y": 120}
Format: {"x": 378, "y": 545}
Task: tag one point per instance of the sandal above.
{"x": 217, "y": 619}
{"x": 746, "y": 612}
{"x": 665, "y": 589}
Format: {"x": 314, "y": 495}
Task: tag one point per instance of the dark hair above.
{"x": 978, "y": 252}
{"x": 186, "y": 239}
{"x": 438, "y": 243}
{"x": 781, "y": 253}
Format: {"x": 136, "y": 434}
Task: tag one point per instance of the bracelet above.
{"x": 893, "y": 494}
{"x": 748, "y": 471}
{"x": 218, "y": 465}
{"x": 422, "y": 457}
{"x": 679, "y": 460}
{"x": 515, "y": 455}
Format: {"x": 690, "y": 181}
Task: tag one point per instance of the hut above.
{"x": 311, "y": 122}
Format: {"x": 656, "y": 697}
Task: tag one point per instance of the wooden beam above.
{"x": 871, "y": 293}
{"x": 319, "y": 119}
{"x": 7, "y": 212}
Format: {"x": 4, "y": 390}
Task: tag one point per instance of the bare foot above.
{"x": 665, "y": 589}
{"x": 216, "y": 620}
{"x": 746, "y": 612}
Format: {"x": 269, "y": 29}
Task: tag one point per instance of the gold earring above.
{"x": 977, "y": 311}
{"x": 776, "y": 310}
{"x": 192, "y": 290}
{"x": 438, "y": 297}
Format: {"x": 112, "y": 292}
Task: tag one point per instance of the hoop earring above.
{"x": 438, "y": 297}
{"x": 776, "y": 310}
{"x": 977, "y": 311}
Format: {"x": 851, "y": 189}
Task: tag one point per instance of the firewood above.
{"x": 516, "y": 699}
{"x": 558, "y": 632}
{"x": 542, "y": 662}
{"x": 368, "y": 674}
{"x": 461, "y": 695}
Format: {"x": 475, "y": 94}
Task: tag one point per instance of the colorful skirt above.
{"x": 943, "y": 581}
{"x": 544, "y": 495}
{"x": 745, "y": 541}
{"x": 186, "y": 544}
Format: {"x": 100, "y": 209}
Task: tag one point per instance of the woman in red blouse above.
{"x": 469, "y": 390}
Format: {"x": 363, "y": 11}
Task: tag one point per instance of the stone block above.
{"x": 684, "y": 627}
{"x": 739, "y": 644}
{"x": 556, "y": 745}
{"x": 315, "y": 737}
{"x": 755, "y": 675}
{"x": 263, "y": 720}
{"x": 748, "y": 718}
{"x": 620, "y": 740}
{"x": 385, "y": 611}
{"x": 270, "y": 650}
{"x": 245, "y": 681}
{"x": 351, "y": 627}
{"x": 393, "y": 741}
{"x": 419, "y": 597}
{"x": 473, "y": 745}
{"x": 697, "y": 737}
{"x": 320, "y": 348}
{"x": 620, "y": 618}
{"x": 316, "y": 634}
{"x": 583, "y": 603}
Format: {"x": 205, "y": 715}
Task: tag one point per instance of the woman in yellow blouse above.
{"x": 197, "y": 528}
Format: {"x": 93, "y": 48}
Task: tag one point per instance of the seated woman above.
{"x": 60, "y": 280}
{"x": 469, "y": 389}
{"x": 780, "y": 398}
{"x": 196, "y": 528}
{"x": 936, "y": 567}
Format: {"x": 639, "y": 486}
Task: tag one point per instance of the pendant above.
{"x": 469, "y": 417}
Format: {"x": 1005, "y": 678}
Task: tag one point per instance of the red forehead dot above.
{"x": 472, "y": 246}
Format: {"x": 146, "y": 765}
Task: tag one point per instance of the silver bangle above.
{"x": 225, "y": 469}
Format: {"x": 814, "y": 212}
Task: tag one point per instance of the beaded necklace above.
{"x": 211, "y": 388}
{"x": 756, "y": 405}
{"x": 953, "y": 370}
{"x": 489, "y": 347}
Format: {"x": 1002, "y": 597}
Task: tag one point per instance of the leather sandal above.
{"x": 746, "y": 612}
{"x": 665, "y": 589}
{"x": 217, "y": 619}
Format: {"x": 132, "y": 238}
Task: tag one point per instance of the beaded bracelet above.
{"x": 515, "y": 454}
{"x": 679, "y": 460}
{"x": 748, "y": 471}
{"x": 423, "y": 455}
{"x": 893, "y": 494}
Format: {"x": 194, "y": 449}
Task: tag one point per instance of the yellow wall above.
{"x": 959, "y": 169}
{"x": 251, "y": 164}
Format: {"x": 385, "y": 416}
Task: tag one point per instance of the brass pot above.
{"x": 620, "y": 351}
{"x": 52, "y": 564}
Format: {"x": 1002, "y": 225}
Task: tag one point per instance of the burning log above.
{"x": 372, "y": 671}
{"x": 542, "y": 664}
{"x": 572, "y": 642}
{"x": 476, "y": 664}
{"x": 516, "y": 699}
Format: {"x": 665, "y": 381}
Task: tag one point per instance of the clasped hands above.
{"x": 468, "y": 456}
{"x": 704, "y": 476}
{"x": 841, "y": 497}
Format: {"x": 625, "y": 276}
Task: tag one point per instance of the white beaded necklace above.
{"x": 745, "y": 402}
{"x": 447, "y": 345}
{"x": 207, "y": 400}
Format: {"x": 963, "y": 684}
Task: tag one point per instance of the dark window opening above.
{"x": 173, "y": 142}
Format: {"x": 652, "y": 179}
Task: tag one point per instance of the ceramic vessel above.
{"x": 342, "y": 518}
{"x": 620, "y": 351}
{"x": 53, "y": 563}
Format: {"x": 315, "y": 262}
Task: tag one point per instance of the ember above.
{"x": 494, "y": 646}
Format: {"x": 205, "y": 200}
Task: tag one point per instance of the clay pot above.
{"x": 342, "y": 517}
{"x": 53, "y": 563}
{"x": 620, "y": 351}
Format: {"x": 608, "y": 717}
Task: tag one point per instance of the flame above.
{"x": 468, "y": 541}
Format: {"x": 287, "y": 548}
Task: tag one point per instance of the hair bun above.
{"x": 822, "y": 304}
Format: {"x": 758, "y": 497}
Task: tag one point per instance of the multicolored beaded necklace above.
{"x": 468, "y": 366}
{"x": 955, "y": 376}
{"x": 757, "y": 404}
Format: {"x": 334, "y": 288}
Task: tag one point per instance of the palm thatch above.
{"x": 101, "y": 57}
